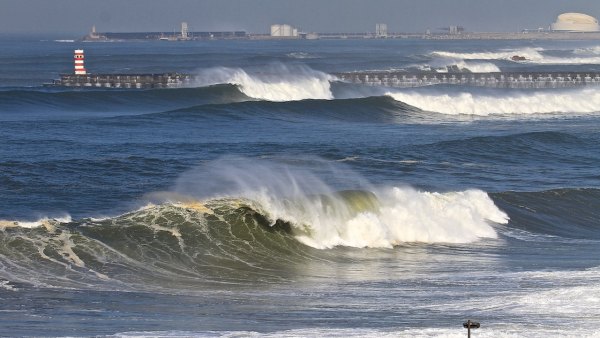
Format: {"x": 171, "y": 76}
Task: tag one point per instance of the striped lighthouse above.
{"x": 79, "y": 66}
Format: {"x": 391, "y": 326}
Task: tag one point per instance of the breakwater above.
{"x": 493, "y": 80}
{"x": 166, "y": 80}
{"x": 389, "y": 79}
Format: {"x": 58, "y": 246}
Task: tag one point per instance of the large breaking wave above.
{"x": 261, "y": 217}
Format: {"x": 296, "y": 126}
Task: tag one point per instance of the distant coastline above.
{"x": 242, "y": 35}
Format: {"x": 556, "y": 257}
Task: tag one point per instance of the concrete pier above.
{"x": 534, "y": 80}
{"x": 493, "y": 80}
{"x": 167, "y": 80}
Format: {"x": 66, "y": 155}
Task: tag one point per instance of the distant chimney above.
{"x": 79, "y": 67}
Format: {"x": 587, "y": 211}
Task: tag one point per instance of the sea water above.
{"x": 270, "y": 199}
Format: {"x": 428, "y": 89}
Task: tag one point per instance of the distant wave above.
{"x": 486, "y": 103}
{"x": 476, "y": 67}
{"x": 276, "y": 82}
{"x": 595, "y": 50}
{"x": 111, "y": 100}
{"x": 532, "y": 55}
{"x": 529, "y": 53}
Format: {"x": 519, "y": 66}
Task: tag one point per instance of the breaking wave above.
{"x": 506, "y": 103}
{"x": 268, "y": 219}
{"x": 478, "y": 67}
{"x": 273, "y": 83}
{"x": 323, "y": 217}
{"x": 531, "y": 55}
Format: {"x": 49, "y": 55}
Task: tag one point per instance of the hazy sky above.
{"x": 75, "y": 17}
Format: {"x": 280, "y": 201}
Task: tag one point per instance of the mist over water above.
{"x": 366, "y": 216}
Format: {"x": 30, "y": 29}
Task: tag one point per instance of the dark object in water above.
{"x": 518, "y": 58}
{"x": 470, "y": 325}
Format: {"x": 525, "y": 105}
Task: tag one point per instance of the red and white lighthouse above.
{"x": 79, "y": 66}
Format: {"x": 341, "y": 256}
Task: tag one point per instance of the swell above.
{"x": 521, "y": 161}
{"x": 91, "y": 100}
{"x": 544, "y": 144}
{"x": 369, "y": 109}
{"x": 561, "y": 213}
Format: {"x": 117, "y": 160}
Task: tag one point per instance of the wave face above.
{"x": 227, "y": 240}
{"x": 263, "y": 217}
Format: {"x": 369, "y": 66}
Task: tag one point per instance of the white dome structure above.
{"x": 575, "y": 22}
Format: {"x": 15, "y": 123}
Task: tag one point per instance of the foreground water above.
{"x": 270, "y": 199}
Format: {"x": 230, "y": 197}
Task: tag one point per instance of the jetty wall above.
{"x": 167, "y": 80}
{"x": 494, "y": 80}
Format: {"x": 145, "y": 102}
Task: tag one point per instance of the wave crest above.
{"x": 483, "y": 104}
{"x": 323, "y": 217}
{"x": 273, "y": 83}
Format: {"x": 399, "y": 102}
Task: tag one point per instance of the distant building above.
{"x": 454, "y": 30}
{"x": 575, "y": 22}
{"x": 381, "y": 30}
{"x": 184, "y": 30}
{"x": 94, "y": 36}
{"x": 283, "y": 31}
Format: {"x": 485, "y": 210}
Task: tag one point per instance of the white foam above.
{"x": 478, "y": 67}
{"x": 404, "y": 215}
{"x": 571, "y": 292}
{"x": 532, "y": 55}
{"x": 300, "y": 55}
{"x": 273, "y": 83}
{"x": 473, "y": 66}
{"x": 589, "y": 50}
{"x": 4, "y": 284}
{"x": 44, "y": 221}
{"x": 476, "y": 103}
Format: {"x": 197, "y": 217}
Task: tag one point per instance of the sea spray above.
{"x": 276, "y": 82}
{"x": 323, "y": 217}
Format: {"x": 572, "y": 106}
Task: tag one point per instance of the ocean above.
{"x": 270, "y": 199}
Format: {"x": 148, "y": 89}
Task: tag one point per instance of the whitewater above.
{"x": 271, "y": 199}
